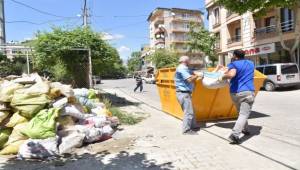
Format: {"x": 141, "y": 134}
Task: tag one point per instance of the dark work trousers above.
{"x": 139, "y": 85}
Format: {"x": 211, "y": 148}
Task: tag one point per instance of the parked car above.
{"x": 280, "y": 75}
{"x": 130, "y": 76}
{"x": 150, "y": 78}
{"x": 96, "y": 80}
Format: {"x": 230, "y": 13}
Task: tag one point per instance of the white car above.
{"x": 280, "y": 75}
{"x": 149, "y": 79}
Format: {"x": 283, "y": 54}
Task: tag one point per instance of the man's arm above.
{"x": 188, "y": 76}
{"x": 192, "y": 78}
{"x": 229, "y": 74}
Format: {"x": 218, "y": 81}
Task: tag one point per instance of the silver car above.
{"x": 280, "y": 75}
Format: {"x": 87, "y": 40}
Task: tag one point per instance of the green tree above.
{"x": 55, "y": 53}
{"x": 164, "y": 58}
{"x": 202, "y": 40}
{"x": 11, "y": 67}
{"x": 134, "y": 63}
{"x": 257, "y": 6}
{"x": 260, "y": 7}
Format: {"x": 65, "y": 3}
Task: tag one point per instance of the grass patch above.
{"x": 125, "y": 118}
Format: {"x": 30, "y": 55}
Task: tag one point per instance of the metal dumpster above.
{"x": 209, "y": 104}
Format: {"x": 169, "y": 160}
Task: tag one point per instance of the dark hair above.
{"x": 240, "y": 54}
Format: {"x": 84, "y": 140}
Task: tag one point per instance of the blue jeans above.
{"x": 189, "y": 120}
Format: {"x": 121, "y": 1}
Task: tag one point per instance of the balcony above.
{"x": 179, "y": 29}
{"x": 160, "y": 41}
{"x": 288, "y": 26}
{"x": 159, "y": 30}
{"x": 230, "y": 15}
{"x": 272, "y": 30}
{"x": 234, "y": 41}
{"x": 189, "y": 18}
{"x": 179, "y": 40}
{"x": 158, "y": 20}
{"x": 265, "y": 32}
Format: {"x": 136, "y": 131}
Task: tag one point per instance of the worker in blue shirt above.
{"x": 241, "y": 75}
{"x": 184, "y": 82}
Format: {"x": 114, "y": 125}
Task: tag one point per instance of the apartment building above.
{"x": 260, "y": 37}
{"x": 169, "y": 29}
{"x": 147, "y": 64}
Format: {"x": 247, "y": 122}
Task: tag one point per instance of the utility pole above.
{"x": 85, "y": 14}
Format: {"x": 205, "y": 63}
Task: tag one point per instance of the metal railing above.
{"x": 180, "y": 28}
{"x": 263, "y": 30}
{"x": 286, "y": 26}
{"x": 234, "y": 39}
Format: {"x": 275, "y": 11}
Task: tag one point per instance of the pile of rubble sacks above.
{"x": 41, "y": 119}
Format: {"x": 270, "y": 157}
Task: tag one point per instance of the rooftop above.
{"x": 174, "y": 9}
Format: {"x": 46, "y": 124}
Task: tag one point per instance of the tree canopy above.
{"x": 258, "y": 6}
{"x": 134, "y": 62}
{"x": 164, "y": 58}
{"x": 202, "y": 40}
{"x": 58, "y": 52}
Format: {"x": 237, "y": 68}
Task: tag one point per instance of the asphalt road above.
{"x": 276, "y": 120}
{"x": 149, "y": 94}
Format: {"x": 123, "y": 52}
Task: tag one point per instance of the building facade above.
{"x": 2, "y": 22}
{"x": 169, "y": 29}
{"x": 260, "y": 37}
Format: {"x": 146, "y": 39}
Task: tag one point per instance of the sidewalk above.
{"x": 159, "y": 138}
{"x": 157, "y": 143}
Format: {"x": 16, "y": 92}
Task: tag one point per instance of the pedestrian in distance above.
{"x": 184, "y": 82}
{"x": 139, "y": 83}
{"x": 241, "y": 75}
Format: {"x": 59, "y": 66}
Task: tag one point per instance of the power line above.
{"x": 129, "y": 16}
{"x": 40, "y": 23}
{"x": 37, "y": 10}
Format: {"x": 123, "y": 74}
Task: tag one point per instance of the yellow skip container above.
{"x": 209, "y": 104}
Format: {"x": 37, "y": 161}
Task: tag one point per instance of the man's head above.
{"x": 184, "y": 60}
{"x": 238, "y": 54}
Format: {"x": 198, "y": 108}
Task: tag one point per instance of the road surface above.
{"x": 275, "y": 122}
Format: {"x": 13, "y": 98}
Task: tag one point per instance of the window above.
{"x": 270, "y": 24}
{"x": 238, "y": 34}
{"x": 270, "y": 70}
{"x": 260, "y": 69}
{"x": 270, "y": 21}
{"x": 287, "y": 19}
{"x": 217, "y": 40}
{"x": 185, "y": 15}
{"x": 186, "y": 26}
{"x": 289, "y": 69}
{"x": 217, "y": 16}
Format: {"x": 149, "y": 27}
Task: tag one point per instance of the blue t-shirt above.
{"x": 244, "y": 78}
{"x": 181, "y": 76}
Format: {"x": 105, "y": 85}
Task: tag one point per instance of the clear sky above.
{"x": 124, "y": 20}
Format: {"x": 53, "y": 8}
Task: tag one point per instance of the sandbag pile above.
{"x": 40, "y": 119}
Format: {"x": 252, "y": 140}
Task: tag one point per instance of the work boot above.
{"x": 246, "y": 132}
{"x": 234, "y": 139}
{"x": 190, "y": 132}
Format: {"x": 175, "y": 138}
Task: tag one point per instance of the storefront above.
{"x": 268, "y": 54}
